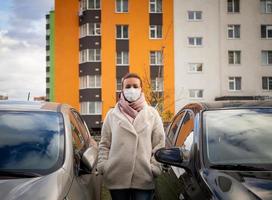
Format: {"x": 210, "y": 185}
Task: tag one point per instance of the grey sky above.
{"x": 22, "y": 47}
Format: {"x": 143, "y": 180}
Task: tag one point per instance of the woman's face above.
{"x": 132, "y": 83}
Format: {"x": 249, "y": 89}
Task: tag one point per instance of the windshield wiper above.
{"x": 21, "y": 174}
{"x": 241, "y": 167}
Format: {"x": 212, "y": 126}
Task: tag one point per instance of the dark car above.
{"x": 46, "y": 153}
{"x": 218, "y": 151}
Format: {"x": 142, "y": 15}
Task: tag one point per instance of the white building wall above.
{"x": 214, "y": 52}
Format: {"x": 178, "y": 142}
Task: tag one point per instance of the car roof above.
{"x": 30, "y": 106}
{"x": 200, "y": 106}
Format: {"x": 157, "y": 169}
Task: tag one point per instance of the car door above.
{"x": 91, "y": 182}
{"x": 83, "y": 182}
{"x": 168, "y": 184}
{"x": 189, "y": 187}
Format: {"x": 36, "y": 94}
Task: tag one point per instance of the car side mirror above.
{"x": 170, "y": 156}
{"x": 89, "y": 158}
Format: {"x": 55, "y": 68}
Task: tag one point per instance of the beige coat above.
{"x": 126, "y": 150}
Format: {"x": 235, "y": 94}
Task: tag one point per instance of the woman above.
{"x": 131, "y": 133}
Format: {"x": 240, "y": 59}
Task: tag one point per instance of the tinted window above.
{"x": 82, "y": 127}
{"x": 31, "y": 141}
{"x": 174, "y": 127}
{"x": 241, "y": 136}
{"x": 186, "y": 128}
{"x": 78, "y": 139}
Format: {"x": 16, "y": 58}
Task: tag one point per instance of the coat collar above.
{"x": 139, "y": 124}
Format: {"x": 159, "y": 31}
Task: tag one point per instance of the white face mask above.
{"x": 132, "y": 94}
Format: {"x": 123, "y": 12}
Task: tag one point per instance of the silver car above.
{"x": 46, "y": 153}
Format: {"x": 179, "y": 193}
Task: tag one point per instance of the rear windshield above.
{"x": 31, "y": 141}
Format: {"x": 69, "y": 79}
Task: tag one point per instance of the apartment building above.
{"x": 96, "y": 42}
{"x": 223, "y": 50}
{"x": 50, "y": 27}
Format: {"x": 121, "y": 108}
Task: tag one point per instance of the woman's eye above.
{"x": 135, "y": 86}
{"x": 128, "y": 86}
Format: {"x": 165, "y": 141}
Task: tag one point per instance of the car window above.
{"x": 31, "y": 141}
{"x": 174, "y": 127}
{"x": 78, "y": 138}
{"x": 84, "y": 129}
{"x": 186, "y": 127}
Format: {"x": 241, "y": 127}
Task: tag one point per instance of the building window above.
{"x": 94, "y": 55}
{"x": 83, "y": 30}
{"x": 90, "y": 81}
{"x": 234, "y": 57}
{"x": 118, "y": 84}
{"x": 194, "y": 15}
{"x": 235, "y": 83}
{"x": 267, "y": 83}
{"x": 267, "y": 57}
{"x": 155, "y": 6}
{"x": 266, "y": 6}
{"x": 90, "y": 55}
{"x": 122, "y": 58}
{"x": 90, "y": 29}
{"x": 122, "y": 32}
{"x": 155, "y": 58}
{"x": 233, "y": 31}
{"x": 266, "y": 31}
{"x": 91, "y": 108}
{"x": 90, "y": 4}
{"x": 233, "y": 6}
{"x": 94, "y": 29}
{"x": 196, "y": 93}
{"x": 121, "y": 6}
{"x": 155, "y": 31}
{"x": 48, "y": 32}
{"x": 157, "y": 84}
{"x": 195, "y": 67}
{"x": 195, "y": 41}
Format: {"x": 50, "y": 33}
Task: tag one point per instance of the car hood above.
{"x": 50, "y": 187}
{"x": 239, "y": 184}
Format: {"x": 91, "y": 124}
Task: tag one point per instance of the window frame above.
{"x": 85, "y": 5}
{"x": 97, "y": 84}
{"x": 195, "y": 68}
{"x": 122, "y": 58}
{"x": 267, "y": 27}
{"x": 156, "y": 29}
{"x": 233, "y": 10}
{"x": 87, "y": 106}
{"x": 155, "y": 3}
{"x": 122, "y": 6}
{"x": 196, "y": 93}
{"x": 234, "y": 79}
{"x": 157, "y": 84}
{"x": 87, "y": 53}
{"x": 232, "y": 27}
{"x": 264, "y": 4}
{"x": 265, "y": 54}
{"x": 122, "y": 32}
{"x": 158, "y": 62}
{"x": 268, "y": 80}
{"x": 194, "y": 12}
{"x": 195, "y": 41}
{"x": 237, "y": 56}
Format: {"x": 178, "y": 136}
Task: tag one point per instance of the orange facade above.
{"x": 66, "y": 52}
{"x": 139, "y": 47}
{"x": 67, "y": 49}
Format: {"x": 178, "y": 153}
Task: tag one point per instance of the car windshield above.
{"x": 31, "y": 141}
{"x": 238, "y": 137}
